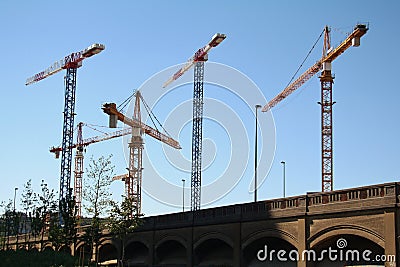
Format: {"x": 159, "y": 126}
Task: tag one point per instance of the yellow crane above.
{"x": 326, "y": 78}
{"x": 133, "y": 180}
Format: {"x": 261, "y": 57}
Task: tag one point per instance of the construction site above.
{"x": 199, "y": 164}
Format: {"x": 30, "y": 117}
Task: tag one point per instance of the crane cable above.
{"x": 126, "y": 102}
{"x": 151, "y": 115}
{"x": 148, "y": 109}
{"x": 309, "y": 52}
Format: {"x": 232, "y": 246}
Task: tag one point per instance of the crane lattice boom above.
{"x": 73, "y": 60}
{"x": 95, "y": 139}
{"x": 111, "y": 109}
{"x": 200, "y": 55}
{"x": 326, "y": 102}
{"x": 352, "y": 40}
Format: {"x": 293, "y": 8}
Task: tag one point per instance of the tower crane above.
{"x": 71, "y": 63}
{"x": 133, "y": 180}
{"x": 80, "y": 145}
{"x": 197, "y": 130}
{"x": 326, "y": 79}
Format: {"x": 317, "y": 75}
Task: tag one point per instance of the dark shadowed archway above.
{"x": 83, "y": 253}
{"x": 136, "y": 253}
{"x": 347, "y": 250}
{"x": 65, "y": 249}
{"x": 171, "y": 252}
{"x": 48, "y": 248}
{"x": 107, "y": 252}
{"x": 213, "y": 252}
{"x": 270, "y": 251}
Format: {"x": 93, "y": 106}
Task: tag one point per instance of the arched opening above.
{"x": 83, "y": 253}
{"x": 136, "y": 253}
{"x": 270, "y": 251}
{"x": 48, "y": 248}
{"x": 171, "y": 252}
{"x": 347, "y": 250}
{"x": 34, "y": 249}
{"x": 107, "y": 252}
{"x": 213, "y": 252}
{"x": 65, "y": 249}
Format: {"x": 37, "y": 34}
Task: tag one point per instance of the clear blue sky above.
{"x": 266, "y": 41}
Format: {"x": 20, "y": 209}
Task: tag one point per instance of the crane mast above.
{"x": 78, "y": 173}
{"x": 133, "y": 180}
{"x": 328, "y": 55}
{"x": 71, "y": 63}
{"x": 326, "y": 103}
{"x": 79, "y": 159}
{"x": 197, "y": 129}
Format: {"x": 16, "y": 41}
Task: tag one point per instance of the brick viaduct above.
{"x": 306, "y": 228}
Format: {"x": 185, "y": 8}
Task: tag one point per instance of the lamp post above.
{"x": 255, "y": 155}
{"x": 15, "y": 221}
{"x": 284, "y": 178}
{"x": 183, "y": 195}
{"x": 15, "y": 194}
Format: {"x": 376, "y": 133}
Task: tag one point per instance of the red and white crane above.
{"x": 329, "y": 54}
{"x": 71, "y": 63}
{"x": 80, "y": 145}
{"x": 197, "y": 131}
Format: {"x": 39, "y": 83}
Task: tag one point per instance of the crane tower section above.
{"x": 326, "y": 78}
{"x": 71, "y": 63}
{"x": 197, "y": 60}
{"x": 133, "y": 180}
{"x": 78, "y": 173}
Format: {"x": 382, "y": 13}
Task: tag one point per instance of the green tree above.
{"x": 65, "y": 234}
{"x": 123, "y": 221}
{"x": 97, "y": 198}
{"x": 8, "y": 222}
{"x": 5, "y": 223}
{"x": 28, "y": 204}
{"x": 46, "y": 206}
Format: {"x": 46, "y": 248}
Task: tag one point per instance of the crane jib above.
{"x": 70, "y": 61}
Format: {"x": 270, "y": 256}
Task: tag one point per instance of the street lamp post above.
{"x": 284, "y": 178}
{"x": 15, "y": 194}
{"x": 255, "y": 155}
{"x": 15, "y": 221}
{"x": 183, "y": 195}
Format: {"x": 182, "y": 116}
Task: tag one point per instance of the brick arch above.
{"x": 34, "y": 249}
{"x": 271, "y": 232}
{"x": 357, "y": 244}
{"x": 47, "y": 246}
{"x": 136, "y": 238}
{"x": 107, "y": 251}
{"x": 171, "y": 250}
{"x": 213, "y": 249}
{"x": 83, "y": 251}
{"x": 105, "y": 241}
{"x": 137, "y": 252}
{"x": 266, "y": 241}
{"x": 213, "y": 235}
{"x": 335, "y": 231}
{"x": 176, "y": 238}
{"x": 66, "y": 249}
